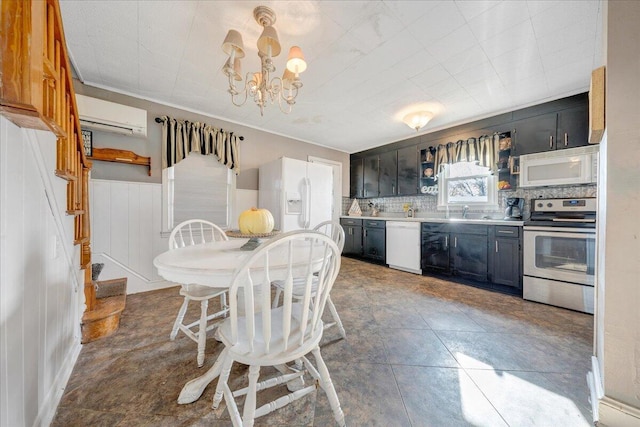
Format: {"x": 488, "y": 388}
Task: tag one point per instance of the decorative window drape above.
{"x": 484, "y": 150}
{"x": 181, "y": 137}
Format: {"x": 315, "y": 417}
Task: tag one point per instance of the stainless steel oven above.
{"x": 559, "y": 253}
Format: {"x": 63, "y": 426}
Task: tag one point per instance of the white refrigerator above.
{"x": 298, "y": 193}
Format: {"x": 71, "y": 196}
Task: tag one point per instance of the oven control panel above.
{"x": 584, "y": 204}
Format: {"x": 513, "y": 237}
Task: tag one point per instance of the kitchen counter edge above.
{"x": 440, "y": 220}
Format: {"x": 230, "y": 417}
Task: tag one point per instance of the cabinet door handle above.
{"x": 566, "y": 139}
{"x": 455, "y": 242}
{"x": 446, "y": 242}
{"x": 551, "y": 141}
{"x": 496, "y": 246}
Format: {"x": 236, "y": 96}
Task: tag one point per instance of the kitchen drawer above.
{"x": 481, "y": 230}
{"x": 372, "y": 223}
{"x": 349, "y": 221}
{"x": 507, "y": 231}
{"x": 435, "y": 227}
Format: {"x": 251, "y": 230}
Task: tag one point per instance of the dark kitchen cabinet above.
{"x": 408, "y": 171}
{"x": 371, "y": 174}
{"x": 435, "y": 248}
{"x": 469, "y": 254}
{"x": 356, "y": 177}
{"x": 553, "y": 131}
{"x": 506, "y": 257}
{"x": 352, "y": 236}
{"x": 374, "y": 241}
{"x": 535, "y": 134}
{"x": 388, "y": 174}
{"x": 573, "y": 128}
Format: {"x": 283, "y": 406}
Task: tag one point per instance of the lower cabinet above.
{"x": 435, "y": 248}
{"x": 364, "y": 238}
{"x": 485, "y": 255}
{"x": 374, "y": 242}
{"x": 469, "y": 254}
{"x": 506, "y": 257}
{"x": 352, "y": 236}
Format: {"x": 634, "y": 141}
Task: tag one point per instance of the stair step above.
{"x": 110, "y": 288}
{"x": 104, "y": 319}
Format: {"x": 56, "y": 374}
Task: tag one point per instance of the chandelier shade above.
{"x": 259, "y": 86}
{"x": 233, "y": 45}
{"x": 418, "y": 119}
{"x": 269, "y": 40}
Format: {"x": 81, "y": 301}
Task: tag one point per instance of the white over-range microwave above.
{"x": 560, "y": 167}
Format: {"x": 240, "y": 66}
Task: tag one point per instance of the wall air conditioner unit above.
{"x": 111, "y": 117}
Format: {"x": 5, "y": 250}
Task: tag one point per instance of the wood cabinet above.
{"x": 370, "y": 174}
{"x": 374, "y": 240}
{"x": 506, "y": 256}
{"x": 487, "y": 255}
{"x": 469, "y": 257}
{"x": 352, "y": 236}
{"x": 388, "y": 174}
{"x": 435, "y": 248}
{"x": 356, "y": 177}
{"x": 408, "y": 171}
{"x": 553, "y": 131}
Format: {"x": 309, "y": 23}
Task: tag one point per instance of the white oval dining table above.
{"x": 213, "y": 264}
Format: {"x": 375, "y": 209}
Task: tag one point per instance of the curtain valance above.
{"x": 484, "y": 150}
{"x": 181, "y": 137}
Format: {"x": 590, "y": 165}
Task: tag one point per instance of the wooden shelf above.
{"x": 120, "y": 156}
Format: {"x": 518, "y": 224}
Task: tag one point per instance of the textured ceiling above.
{"x": 369, "y": 62}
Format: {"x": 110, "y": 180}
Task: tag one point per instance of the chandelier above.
{"x": 259, "y": 85}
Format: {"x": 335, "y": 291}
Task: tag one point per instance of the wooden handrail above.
{"x": 36, "y": 91}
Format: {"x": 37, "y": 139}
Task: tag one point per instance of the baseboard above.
{"x": 50, "y": 403}
{"x": 595, "y": 387}
{"x": 136, "y": 283}
{"x": 613, "y": 413}
{"x": 608, "y": 412}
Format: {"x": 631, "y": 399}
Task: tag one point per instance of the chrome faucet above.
{"x": 465, "y": 209}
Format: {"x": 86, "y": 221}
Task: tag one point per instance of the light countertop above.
{"x": 441, "y": 220}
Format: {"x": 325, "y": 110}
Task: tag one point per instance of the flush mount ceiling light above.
{"x": 257, "y": 84}
{"x": 418, "y": 119}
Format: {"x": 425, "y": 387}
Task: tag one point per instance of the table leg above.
{"x": 194, "y": 388}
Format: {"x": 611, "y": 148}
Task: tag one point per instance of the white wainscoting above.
{"x": 126, "y": 221}
{"x": 41, "y": 291}
{"x": 126, "y": 225}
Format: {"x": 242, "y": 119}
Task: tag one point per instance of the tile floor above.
{"x": 419, "y": 352}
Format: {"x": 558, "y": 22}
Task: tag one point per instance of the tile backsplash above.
{"x": 429, "y": 203}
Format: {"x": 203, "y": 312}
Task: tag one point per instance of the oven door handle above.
{"x": 546, "y": 231}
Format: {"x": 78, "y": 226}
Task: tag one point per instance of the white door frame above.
{"x": 336, "y": 206}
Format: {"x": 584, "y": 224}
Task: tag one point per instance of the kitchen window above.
{"x": 467, "y": 183}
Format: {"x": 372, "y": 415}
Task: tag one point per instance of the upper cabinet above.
{"x": 393, "y": 173}
{"x": 408, "y": 171}
{"x": 552, "y": 131}
{"x": 371, "y": 170}
{"x": 388, "y": 177}
{"x": 356, "y": 175}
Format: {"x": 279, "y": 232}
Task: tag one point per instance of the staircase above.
{"x": 102, "y": 317}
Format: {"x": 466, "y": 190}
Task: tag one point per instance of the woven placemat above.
{"x": 237, "y": 233}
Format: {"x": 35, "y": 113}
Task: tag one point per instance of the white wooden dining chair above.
{"x": 266, "y": 336}
{"x": 189, "y": 233}
{"x": 334, "y": 230}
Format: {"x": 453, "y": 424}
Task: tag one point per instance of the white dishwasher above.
{"x": 403, "y": 246}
